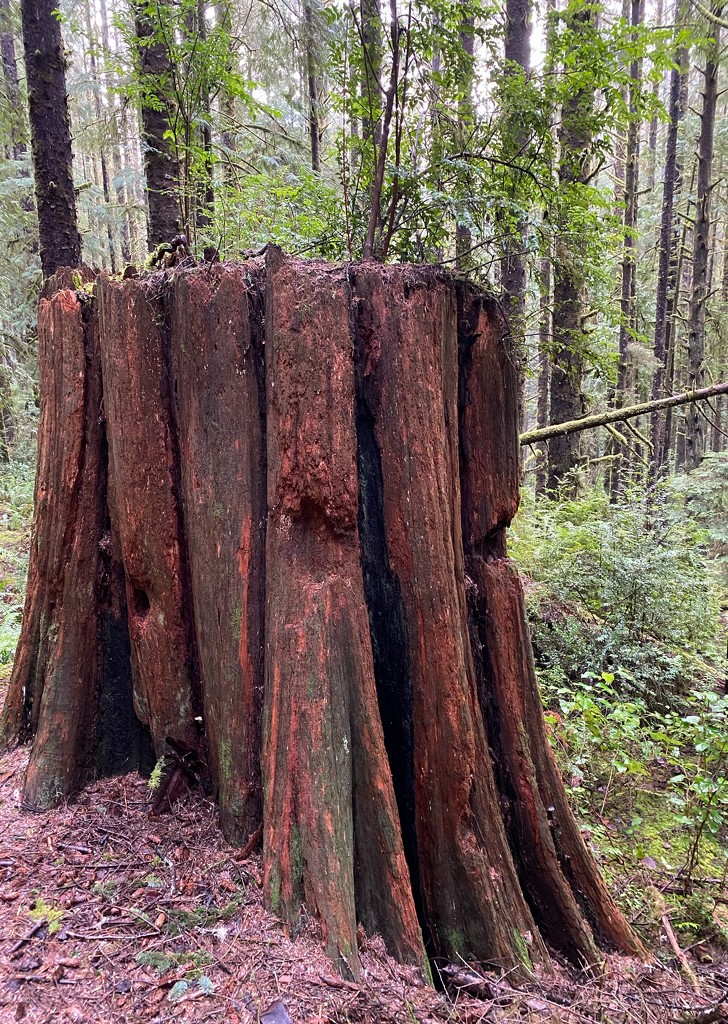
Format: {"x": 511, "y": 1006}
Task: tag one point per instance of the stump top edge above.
{"x": 414, "y": 274}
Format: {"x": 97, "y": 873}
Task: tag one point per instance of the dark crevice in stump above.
{"x": 387, "y": 617}
{"x": 123, "y": 743}
{"x": 145, "y": 506}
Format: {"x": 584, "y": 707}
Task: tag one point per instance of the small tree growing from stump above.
{"x": 270, "y": 546}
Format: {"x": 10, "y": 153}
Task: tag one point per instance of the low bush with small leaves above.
{"x": 605, "y": 593}
{"x": 623, "y": 603}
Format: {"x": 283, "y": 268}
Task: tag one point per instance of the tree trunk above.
{"x": 695, "y": 425}
{"x": 18, "y": 128}
{"x": 567, "y": 364}
{"x": 116, "y": 153}
{"x": 99, "y": 110}
{"x": 628, "y": 324}
{"x": 463, "y": 234}
{"x": 667, "y": 244}
{"x": 517, "y": 46}
{"x": 371, "y": 87}
{"x": 228, "y": 136}
{"x": 657, "y": 86}
{"x": 50, "y": 136}
{"x": 623, "y": 414}
{"x": 620, "y": 141}
{"x": 321, "y": 616}
{"x": 204, "y": 198}
{"x": 314, "y": 118}
{"x": 161, "y": 163}
{"x": 544, "y": 368}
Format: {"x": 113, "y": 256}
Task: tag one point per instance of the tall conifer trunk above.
{"x": 463, "y": 234}
{"x": 695, "y": 423}
{"x": 667, "y": 246}
{"x": 627, "y": 325}
{"x": 50, "y": 136}
{"x": 567, "y": 400}
{"x": 513, "y": 264}
{"x": 161, "y": 164}
{"x": 18, "y": 129}
{"x": 98, "y": 107}
{"x": 314, "y": 113}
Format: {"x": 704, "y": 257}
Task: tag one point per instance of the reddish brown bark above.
{"x": 290, "y": 520}
{"x": 556, "y": 870}
{"x": 145, "y": 508}
{"x": 332, "y": 836}
{"x": 217, "y": 360}
{"x": 68, "y": 651}
{"x": 63, "y": 415}
{"x": 407, "y": 342}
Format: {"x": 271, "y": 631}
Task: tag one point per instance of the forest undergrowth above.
{"x": 626, "y": 602}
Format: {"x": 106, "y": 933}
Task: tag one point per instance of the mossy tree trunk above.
{"x": 269, "y": 546}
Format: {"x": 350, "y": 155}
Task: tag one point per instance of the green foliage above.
{"x": 294, "y": 208}
{"x": 16, "y": 511}
{"x": 164, "y": 961}
{"x": 627, "y": 638}
{"x": 705, "y": 496}
{"x": 48, "y": 912}
{"x": 155, "y": 779}
{"x": 607, "y": 595}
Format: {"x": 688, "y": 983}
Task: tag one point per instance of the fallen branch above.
{"x": 685, "y": 967}
{"x": 617, "y": 415}
{"x": 27, "y": 937}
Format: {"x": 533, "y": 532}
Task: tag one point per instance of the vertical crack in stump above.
{"x": 221, "y": 431}
{"x": 557, "y": 872}
{"x": 144, "y": 505}
{"x": 385, "y": 607}
{"x": 123, "y": 743}
{"x": 331, "y": 829}
{"x": 470, "y": 893}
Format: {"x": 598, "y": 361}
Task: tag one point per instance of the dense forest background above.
{"x": 568, "y": 156}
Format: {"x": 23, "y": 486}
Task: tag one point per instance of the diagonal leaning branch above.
{"x": 617, "y": 415}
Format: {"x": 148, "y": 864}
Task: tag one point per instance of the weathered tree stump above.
{"x": 270, "y": 546}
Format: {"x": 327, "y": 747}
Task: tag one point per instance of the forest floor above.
{"x": 110, "y": 914}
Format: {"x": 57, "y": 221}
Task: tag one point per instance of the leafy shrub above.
{"x": 627, "y": 637}
{"x": 604, "y": 594}
{"x": 704, "y": 494}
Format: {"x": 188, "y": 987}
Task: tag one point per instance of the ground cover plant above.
{"x": 624, "y": 603}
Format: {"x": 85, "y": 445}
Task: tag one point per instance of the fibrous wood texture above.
{"x": 269, "y": 547}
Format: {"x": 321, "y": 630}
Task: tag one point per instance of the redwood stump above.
{"x": 144, "y": 505}
{"x": 270, "y": 547}
{"x": 218, "y": 384}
